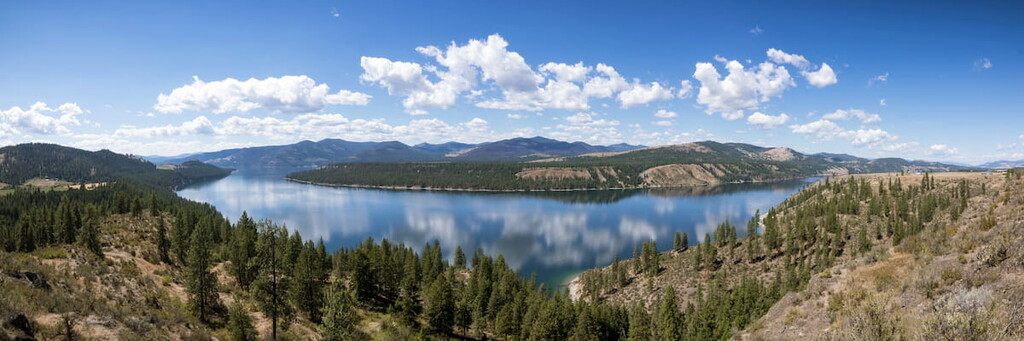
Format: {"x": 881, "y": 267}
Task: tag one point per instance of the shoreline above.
{"x": 447, "y": 189}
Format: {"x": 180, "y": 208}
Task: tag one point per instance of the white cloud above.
{"x": 827, "y": 130}
{"x": 198, "y": 126}
{"x": 821, "y": 78}
{"x": 291, "y": 94}
{"x": 881, "y": 102}
{"x": 767, "y": 121}
{"x": 756, "y": 30}
{"x": 334, "y": 13}
{"x": 638, "y": 94}
{"x": 662, "y": 113}
{"x": 861, "y": 115}
{"x": 41, "y": 119}
{"x": 780, "y": 57}
{"x": 942, "y": 150}
{"x": 663, "y": 123}
{"x": 685, "y": 89}
{"x": 878, "y": 79}
{"x": 741, "y": 89}
{"x": 483, "y": 67}
{"x": 515, "y": 116}
{"x": 982, "y": 63}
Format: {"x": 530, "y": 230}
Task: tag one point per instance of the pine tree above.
{"x": 271, "y": 286}
{"x": 639, "y": 324}
{"x": 440, "y": 306}
{"x": 339, "y": 316}
{"x": 460, "y": 258}
{"x": 670, "y": 321}
{"x": 201, "y": 284}
{"x": 308, "y": 282}
{"x": 240, "y": 326}
{"x": 242, "y": 249}
{"x": 89, "y": 235}
{"x": 585, "y": 328}
{"x": 163, "y": 245}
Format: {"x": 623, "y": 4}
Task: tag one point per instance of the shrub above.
{"x": 964, "y": 314}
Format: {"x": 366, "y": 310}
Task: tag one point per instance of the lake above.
{"x": 553, "y": 234}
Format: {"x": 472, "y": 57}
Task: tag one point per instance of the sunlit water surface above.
{"x": 554, "y": 234}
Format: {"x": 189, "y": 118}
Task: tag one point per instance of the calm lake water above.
{"x": 554, "y": 235}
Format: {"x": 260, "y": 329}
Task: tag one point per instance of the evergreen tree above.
{"x": 163, "y": 245}
{"x": 670, "y": 321}
{"x": 460, "y": 258}
{"x": 201, "y": 284}
{"x": 240, "y": 326}
{"x": 89, "y": 235}
{"x": 440, "y": 306}
{"x": 242, "y": 251}
{"x": 271, "y": 286}
{"x": 339, "y": 315}
{"x": 585, "y": 328}
{"x": 308, "y": 283}
{"x": 639, "y": 324}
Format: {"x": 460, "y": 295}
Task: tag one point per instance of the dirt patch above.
{"x": 682, "y": 175}
{"x": 779, "y": 154}
{"x": 553, "y": 173}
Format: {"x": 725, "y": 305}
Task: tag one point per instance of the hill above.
{"x": 1002, "y": 164}
{"x": 693, "y": 164}
{"x": 862, "y": 257}
{"x": 21, "y": 163}
{"x": 309, "y": 154}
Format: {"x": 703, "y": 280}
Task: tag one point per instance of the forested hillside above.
{"x": 23, "y": 162}
{"x": 872, "y": 257}
{"x": 694, "y": 164}
{"x": 131, "y": 261}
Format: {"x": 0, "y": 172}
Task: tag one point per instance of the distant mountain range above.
{"x": 692, "y": 164}
{"x": 1002, "y": 164}
{"x": 309, "y": 154}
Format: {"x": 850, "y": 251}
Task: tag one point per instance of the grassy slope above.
{"x": 903, "y": 282}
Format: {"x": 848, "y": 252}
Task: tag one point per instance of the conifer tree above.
{"x": 163, "y": 245}
{"x": 201, "y": 284}
{"x": 440, "y": 306}
{"x": 670, "y": 320}
{"x": 242, "y": 250}
{"x": 308, "y": 282}
{"x": 271, "y": 286}
{"x": 460, "y": 258}
{"x": 339, "y": 315}
{"x": 89, "y": 235}
{"x": 585, "y": 328}
{"x": 240, "y": 326}
{"x": 639, "y": 323}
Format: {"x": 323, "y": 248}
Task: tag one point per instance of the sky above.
{"x": 939, "y": 81}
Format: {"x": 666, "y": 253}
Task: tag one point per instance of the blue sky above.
{"x": 921, "y": 80}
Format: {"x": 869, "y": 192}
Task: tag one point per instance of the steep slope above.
{"x": 863, "y": 257}
{"x": 23, "y": 162}
{"x": 531, "y": 148}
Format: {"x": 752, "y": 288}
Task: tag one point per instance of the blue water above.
{"x": 553, "y": 234}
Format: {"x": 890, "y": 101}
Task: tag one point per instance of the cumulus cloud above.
{"x": 942, "y": 150}
{"x": 765, "y": 121}
{"x": 756, "y": 30}
{"x": 288, "y": 94}
{"x": 881, "y": 102}
{"x": 482, "y": 67}
{"x": 863, "y": 116}
{"x": 198, "y": 126}
{"x": 821, "y": 78}
{"x": 638, "y": 94}
{"x": 40, "y": 118}
{"x": 663, "y": 123}
{"x": 587, "y": 127}
{"x": 515, "y": 116}
{"x": 780, "y": 57}
{"x": 827, "y": 130}
{"x": 662, "y": 113}
{"x": 685, "y": 89}
{"x": 741, "y": 89}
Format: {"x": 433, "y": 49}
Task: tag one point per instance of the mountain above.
{"x": 691, "y": 164}
{"x": 838, "y": 157}
{"x": 1002, "y": 164}
{"x": 24, "y": 162}
{"x": 309, "y": 154}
